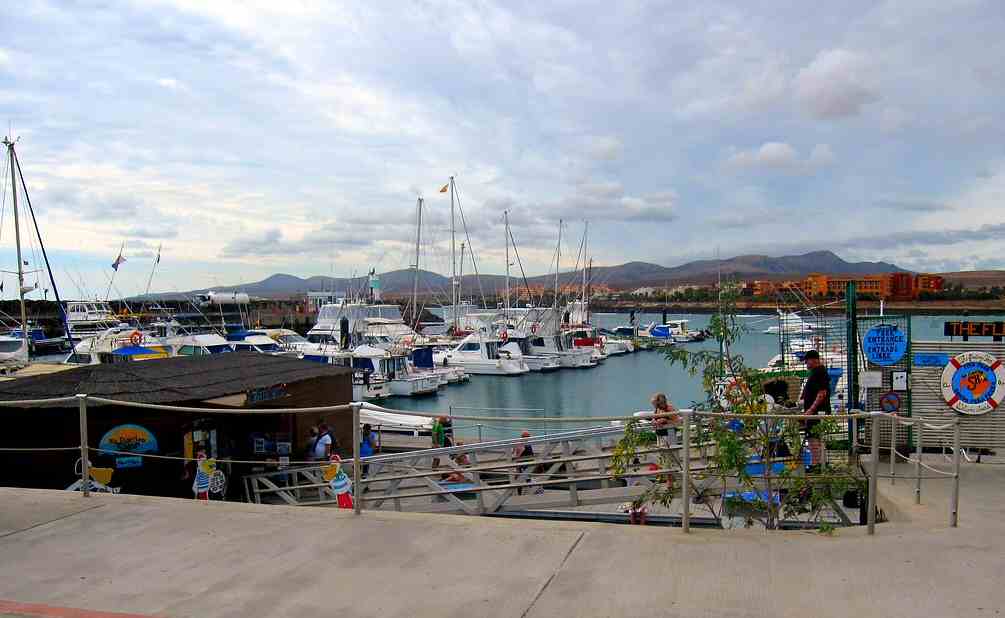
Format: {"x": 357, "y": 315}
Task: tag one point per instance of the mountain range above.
{"x": 626, "y": 276}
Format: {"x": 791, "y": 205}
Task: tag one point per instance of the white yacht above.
{"x": 515, "y": 342}
{"x": 365, "y": 384}
{"x": 479, "y": 354}
{"x": 89, "y": 318}
{"x": 261, "y": 343}
{"x": 13, "y": 351}
{"x": 555, "y": 345}
{"x": 676, "y": 331}
{"x": 793, "y": 324}
{"x": 394, "y": 370}
{"x": 585, "y": 338}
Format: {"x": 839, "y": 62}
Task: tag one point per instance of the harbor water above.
{"x": 620, "y": 386}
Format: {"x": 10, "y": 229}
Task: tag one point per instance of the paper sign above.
{"x": 900, "y": 380}
{"x": 872, "y": 379}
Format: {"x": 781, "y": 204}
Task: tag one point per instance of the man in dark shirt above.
{"x": 816, "y": 399}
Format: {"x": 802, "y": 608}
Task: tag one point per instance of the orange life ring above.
{"x": 504, "y": 335}
{"x": 136, "y": 338}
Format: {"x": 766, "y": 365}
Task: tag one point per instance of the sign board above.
{"x": 899, "y": 379}
{"x": 872, "y": 379}
{"x": 884, "y": 344}
{"x": 966, "y": 330}
{"x": 973, "y": 383}
{"x": 261, "y": 395}
{"x": 889, "y": 402}
{"x": 129, "y": 440}
{"x": 931, "y": 360}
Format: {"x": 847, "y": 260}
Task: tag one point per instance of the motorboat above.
{"x": 516, "y": 343}
{"x": 290, "y": 340}
{"x": 585, "y": 337}
{"x": 13, "y": 352}
{"x": 395, "y": 370}
{"x": 676, "y": 331}
{"x": 118, "y": 344}
{"x": 261, "y": 343}
{"x": 555, "y": 345}
{"x": 89, "y": 318}
{"x": 422, "y": 362}
{"x": 793, "y": 324}
{"x": 480, "y": 354}
{"x": 366, "y": 386}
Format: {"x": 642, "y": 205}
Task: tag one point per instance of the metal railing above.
{"x": 566, "y": 438}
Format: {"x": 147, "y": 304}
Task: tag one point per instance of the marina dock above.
{"x": 169, "y": 557}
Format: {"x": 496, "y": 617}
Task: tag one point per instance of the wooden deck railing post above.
{"x": 85, "y": 460}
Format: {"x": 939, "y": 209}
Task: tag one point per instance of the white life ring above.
{"x": 973, "y": 383}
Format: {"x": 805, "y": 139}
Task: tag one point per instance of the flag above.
{"x": 118, "y": 262}
{"x": 444, "y": 188}
{"x": 158, "y": 259}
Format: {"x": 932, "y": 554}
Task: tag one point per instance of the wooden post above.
{"x": 357, "y": 503}
{"x": 85, "y": 461}
{"x": 685, "y": 484}
{"x": 873, "y": 470}
{"x": 570, "y": 473}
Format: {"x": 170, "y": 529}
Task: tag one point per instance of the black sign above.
{"x": 261, "y": 395}
{"x": 974, "y": 329}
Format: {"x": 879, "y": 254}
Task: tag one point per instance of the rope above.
{"x": 40, "y": 448}
{"x": 256, "y": 462}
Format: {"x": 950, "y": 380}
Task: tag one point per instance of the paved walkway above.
{"x": 164, "y": 557}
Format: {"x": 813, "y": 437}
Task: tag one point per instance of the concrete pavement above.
{"x": 165, "y": 557}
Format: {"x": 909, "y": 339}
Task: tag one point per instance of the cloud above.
{"x": 271, "y": 242}
{"x": 171, "y": 83}
{"x": 4, "y": 58}
{"x": 912, "y": 205}
{"x": 153, "y": 231}
{"x": 837, "y": 84}
{"x": 780, "y": 156}
{"x": 607, "y": 148}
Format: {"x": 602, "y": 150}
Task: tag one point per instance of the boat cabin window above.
{"x": 269, "y": 347}
{"x": 537, "y": 342}
{"x": 492, "y": 349}
{"x": 363, "y": 363}
{"x": 10, "y": 346}
{"x": 470, "y": 346}
{"x": 321, "y": 338}
{"x": 400, "y": 364}
{"x": 79, "y": 359}
{"x": 244, "y": 347}
{"x": 291, "y": 339}
{"x": 219, "y": 349}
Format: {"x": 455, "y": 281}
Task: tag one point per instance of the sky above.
{"x": 249, "y": 138}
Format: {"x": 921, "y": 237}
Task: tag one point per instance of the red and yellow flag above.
{"x": 445, "y": 187}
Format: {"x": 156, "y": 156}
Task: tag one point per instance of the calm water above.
{"x": 621, "y": 385}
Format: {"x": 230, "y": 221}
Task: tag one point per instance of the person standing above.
{"x": 666, "y": 424}
{"x": 323, "y": 447}
{"x": 816, "y": 400}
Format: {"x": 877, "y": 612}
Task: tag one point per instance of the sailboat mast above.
{"x": 150, "y": 279}
{"x": 558, "y": 262}
{"x": 17, "y": 239}
{"x": 506, "y": 217}
{"x": 453, "y": 255}
{"x": 415, "y": 279}
{"x": 586, "y": 231}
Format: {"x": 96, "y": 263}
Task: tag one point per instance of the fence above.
{"x": 519, "y": 480}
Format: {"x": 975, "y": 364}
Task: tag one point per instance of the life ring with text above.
{"x": 136, "y": 338}
{"x": 973, "y": 383}
{"x": 504, "y": 336}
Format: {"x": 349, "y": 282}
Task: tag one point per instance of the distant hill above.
{"x": 624, "y": 276}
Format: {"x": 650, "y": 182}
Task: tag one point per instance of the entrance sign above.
{"x": 973, "y": 383}
{"x": 884, "y": 345}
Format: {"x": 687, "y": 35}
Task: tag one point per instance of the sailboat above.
{"x": 15, "y": 347}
